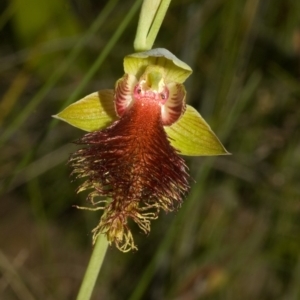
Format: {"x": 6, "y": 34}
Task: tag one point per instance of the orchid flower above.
{"x": 131, "y": 157}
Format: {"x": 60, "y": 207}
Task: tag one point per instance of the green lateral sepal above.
{"x": 93, "y": 112}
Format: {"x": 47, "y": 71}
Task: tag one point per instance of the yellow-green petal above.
{"x": 175, "y": 70}
{"x": 93, "y": 112}
{"x": 192, "y": 136}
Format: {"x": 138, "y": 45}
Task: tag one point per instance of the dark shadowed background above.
{"x": 237, "y": 235}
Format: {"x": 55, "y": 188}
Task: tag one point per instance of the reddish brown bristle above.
{"x": 133, "y": 163}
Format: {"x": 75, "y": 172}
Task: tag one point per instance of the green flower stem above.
{"x": 150, "y": 20}
{"x": 147, "y": 15}
{"x": 93, "y": 269}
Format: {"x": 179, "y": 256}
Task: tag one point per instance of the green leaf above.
{"x": 192, "y": 136}
{"x": 175, "y": 69}
{"x": 93, "y": 112}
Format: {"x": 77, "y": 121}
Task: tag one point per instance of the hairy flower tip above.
{"x": 132, "y": 163}
{"x": 114, "y": 220}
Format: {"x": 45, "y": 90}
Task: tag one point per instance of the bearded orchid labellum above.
{"x": 130, "y": 162}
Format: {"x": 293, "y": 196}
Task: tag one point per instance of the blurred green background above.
{"x": 237, "y": 235}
